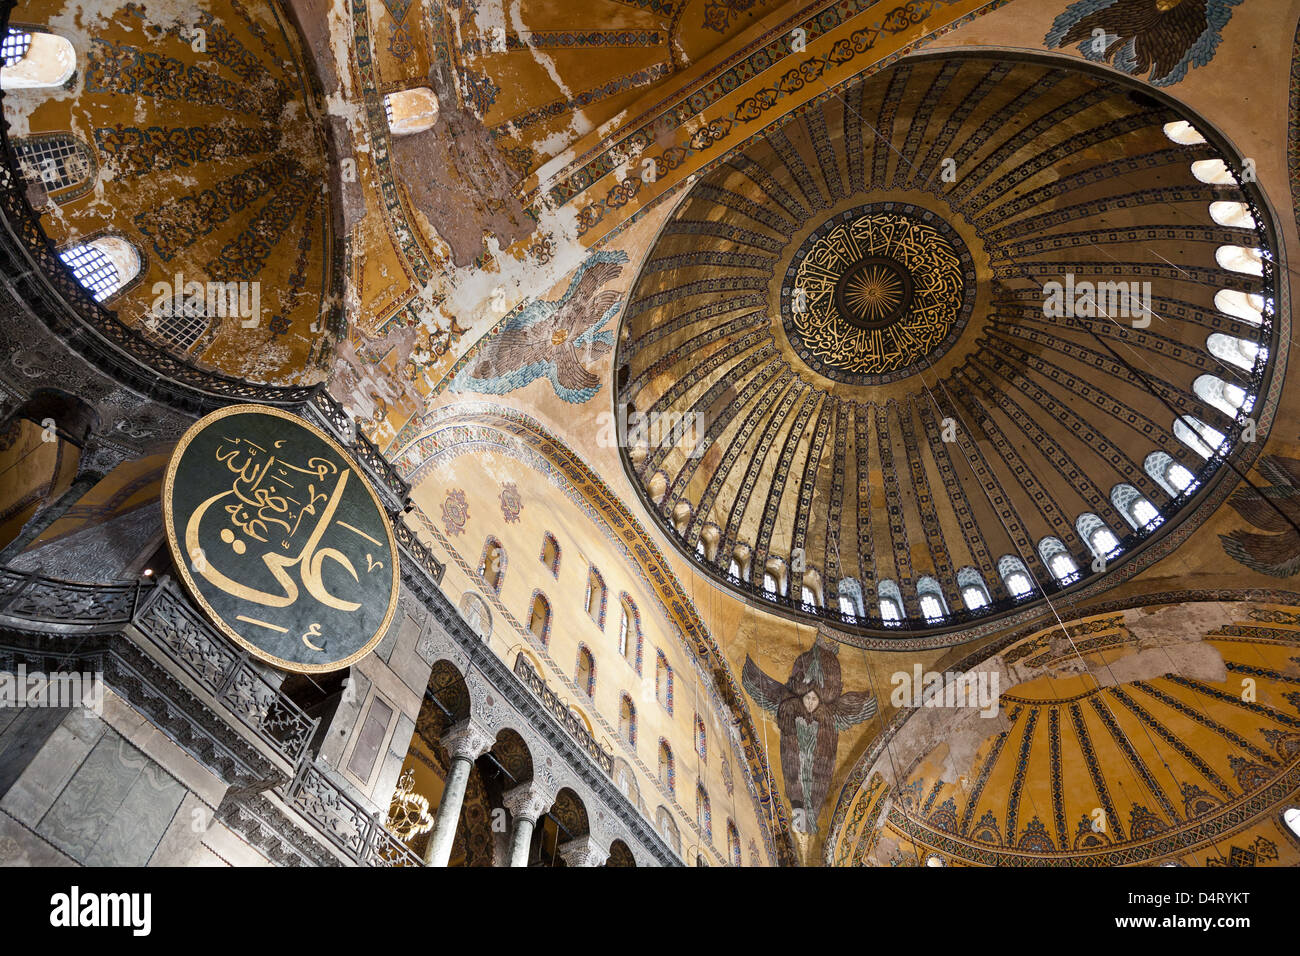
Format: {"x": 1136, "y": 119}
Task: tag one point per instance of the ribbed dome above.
{"x": 903, "y": 342}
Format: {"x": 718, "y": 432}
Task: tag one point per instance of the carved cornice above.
{"x": 262, "y": 825}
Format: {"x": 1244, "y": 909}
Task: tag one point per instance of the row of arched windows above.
{"x": 492, "y": 570}
{"x": 1202, "y": 438}
{"x": 1101, "y": 540}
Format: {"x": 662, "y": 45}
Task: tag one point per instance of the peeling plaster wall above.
{"x": 210, "y": 160}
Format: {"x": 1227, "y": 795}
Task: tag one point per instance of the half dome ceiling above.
{"x": 854, "y": 394}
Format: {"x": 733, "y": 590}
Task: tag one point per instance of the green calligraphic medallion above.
{"x": 278, "y": 536}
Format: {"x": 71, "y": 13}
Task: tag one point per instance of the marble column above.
{"x": 466, "y": 742}
{"x": 583, "y": 852}
{"x": 526, "y": 803}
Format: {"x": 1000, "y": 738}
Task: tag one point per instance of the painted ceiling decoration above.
{"x": 951, "y": 332}
{"x": 875, "y": 291}
{"x": 1156, "y": 39}
{"x": 222, "y": 204}
{"x": 1177, "y": 741}
{"x": 924, "y": 346}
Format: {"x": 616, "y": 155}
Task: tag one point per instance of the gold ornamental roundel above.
{"x": 876, "y": 291}
{"x": 278, "y": 536}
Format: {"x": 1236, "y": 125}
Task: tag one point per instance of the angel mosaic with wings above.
{"x": 811, "y": 709}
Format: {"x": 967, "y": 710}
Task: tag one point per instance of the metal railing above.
{"x": 343, "y": 821}
{"x": 162, "y": 615}
{"x": 172, "y": 624}
{"x": 361, "y": 447}
{"x": 67, "y": 604}
{"x": 561, "y": 711}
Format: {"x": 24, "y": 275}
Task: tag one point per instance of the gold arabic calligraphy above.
{"x": 937, "y": 292}
{"x": 268, "y": 502}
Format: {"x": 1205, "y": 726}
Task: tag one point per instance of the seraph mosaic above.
{"x": 551, "y": 339}
{"x": 1273, "y": 509}
{"x": 811, "y": 709}
{"x": 1158, "y": 40}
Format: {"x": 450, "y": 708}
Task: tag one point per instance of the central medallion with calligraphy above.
{"x": 877, "y": 291}
{"x": 278, "y": 536}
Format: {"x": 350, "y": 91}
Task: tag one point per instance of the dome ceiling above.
{"x": 1125, "y": 738}
{"x": 852, "y": 384}
{"x": 210, "y": 161}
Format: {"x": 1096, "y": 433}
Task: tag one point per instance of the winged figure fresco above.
{"x": 1275, "y": 510}
{"x": 551, "y": 339}
{"x": 1162, "y": 38}
{"x": 811, "y": 709}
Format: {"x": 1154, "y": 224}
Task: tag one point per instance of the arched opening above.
{"x": 811, "y": 589}
{"x": 1242, "y": 353}
{"x": 668, "y": 829}
{"x": 663, "y": 681}
{"x": 739, "y": 567}
{"x": 629, "y": 630}
{"x": 1183, "y": 133}
{"x": 710, "y": 537}
{"x": 1137, "y": 511}
{"x": 1198, "y": 436}
{"x": 1240, "y": 259}
{"x": 411, "y": 111}
{"x": 595, "y": 599}
{"x": 733, "y": 844}
{"x": 446, "y": 703}
{"x": 974, "y": 593}
{"x": 1214, "y": 172}
{"x": 492, "y": 566}
{"x": 627, "y": 720}
{"x": 551, "y": 553}
{"x": 477, "y": 614}
{"x": 681, "y": 516}
{"x": 58, "y": 162}
{"x": 667, "y": 772}
{"x": 774, "y": 577}
{"x": 585, "y": 674}
{"x": 703, "y": 813}
{"x": 890, "y": 600}
{"x": 701, "y": 739}
{"x": 1226, "y": 397}
{"x": 180, "y": 322}
{"x": 1058, "y": 560}
{"x": 539, "y": 619}
{"x": 1246, "y": 306}
{"x": 620, "y": 855}
{"x": 566, "y": 821}
{"x": 1015, "y": 576}
{"x": 1100, "y": 539}
{"x": 850, "y": 598}
{"x": 1234, "y": 214}
{"x": 625, "y": 780}
{"x": 1168, "y": 473}
{"x": 930, "y": 596}
{"x": 103, "y": 265}
{"x": 36, "y": 61}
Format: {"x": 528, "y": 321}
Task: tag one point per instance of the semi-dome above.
{"x": 974, "y": 332}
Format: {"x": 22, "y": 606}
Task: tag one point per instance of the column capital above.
{"x": 583, "y": 851}
{"x": 528, "y": 800}
{"x": 468, "y": 739}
